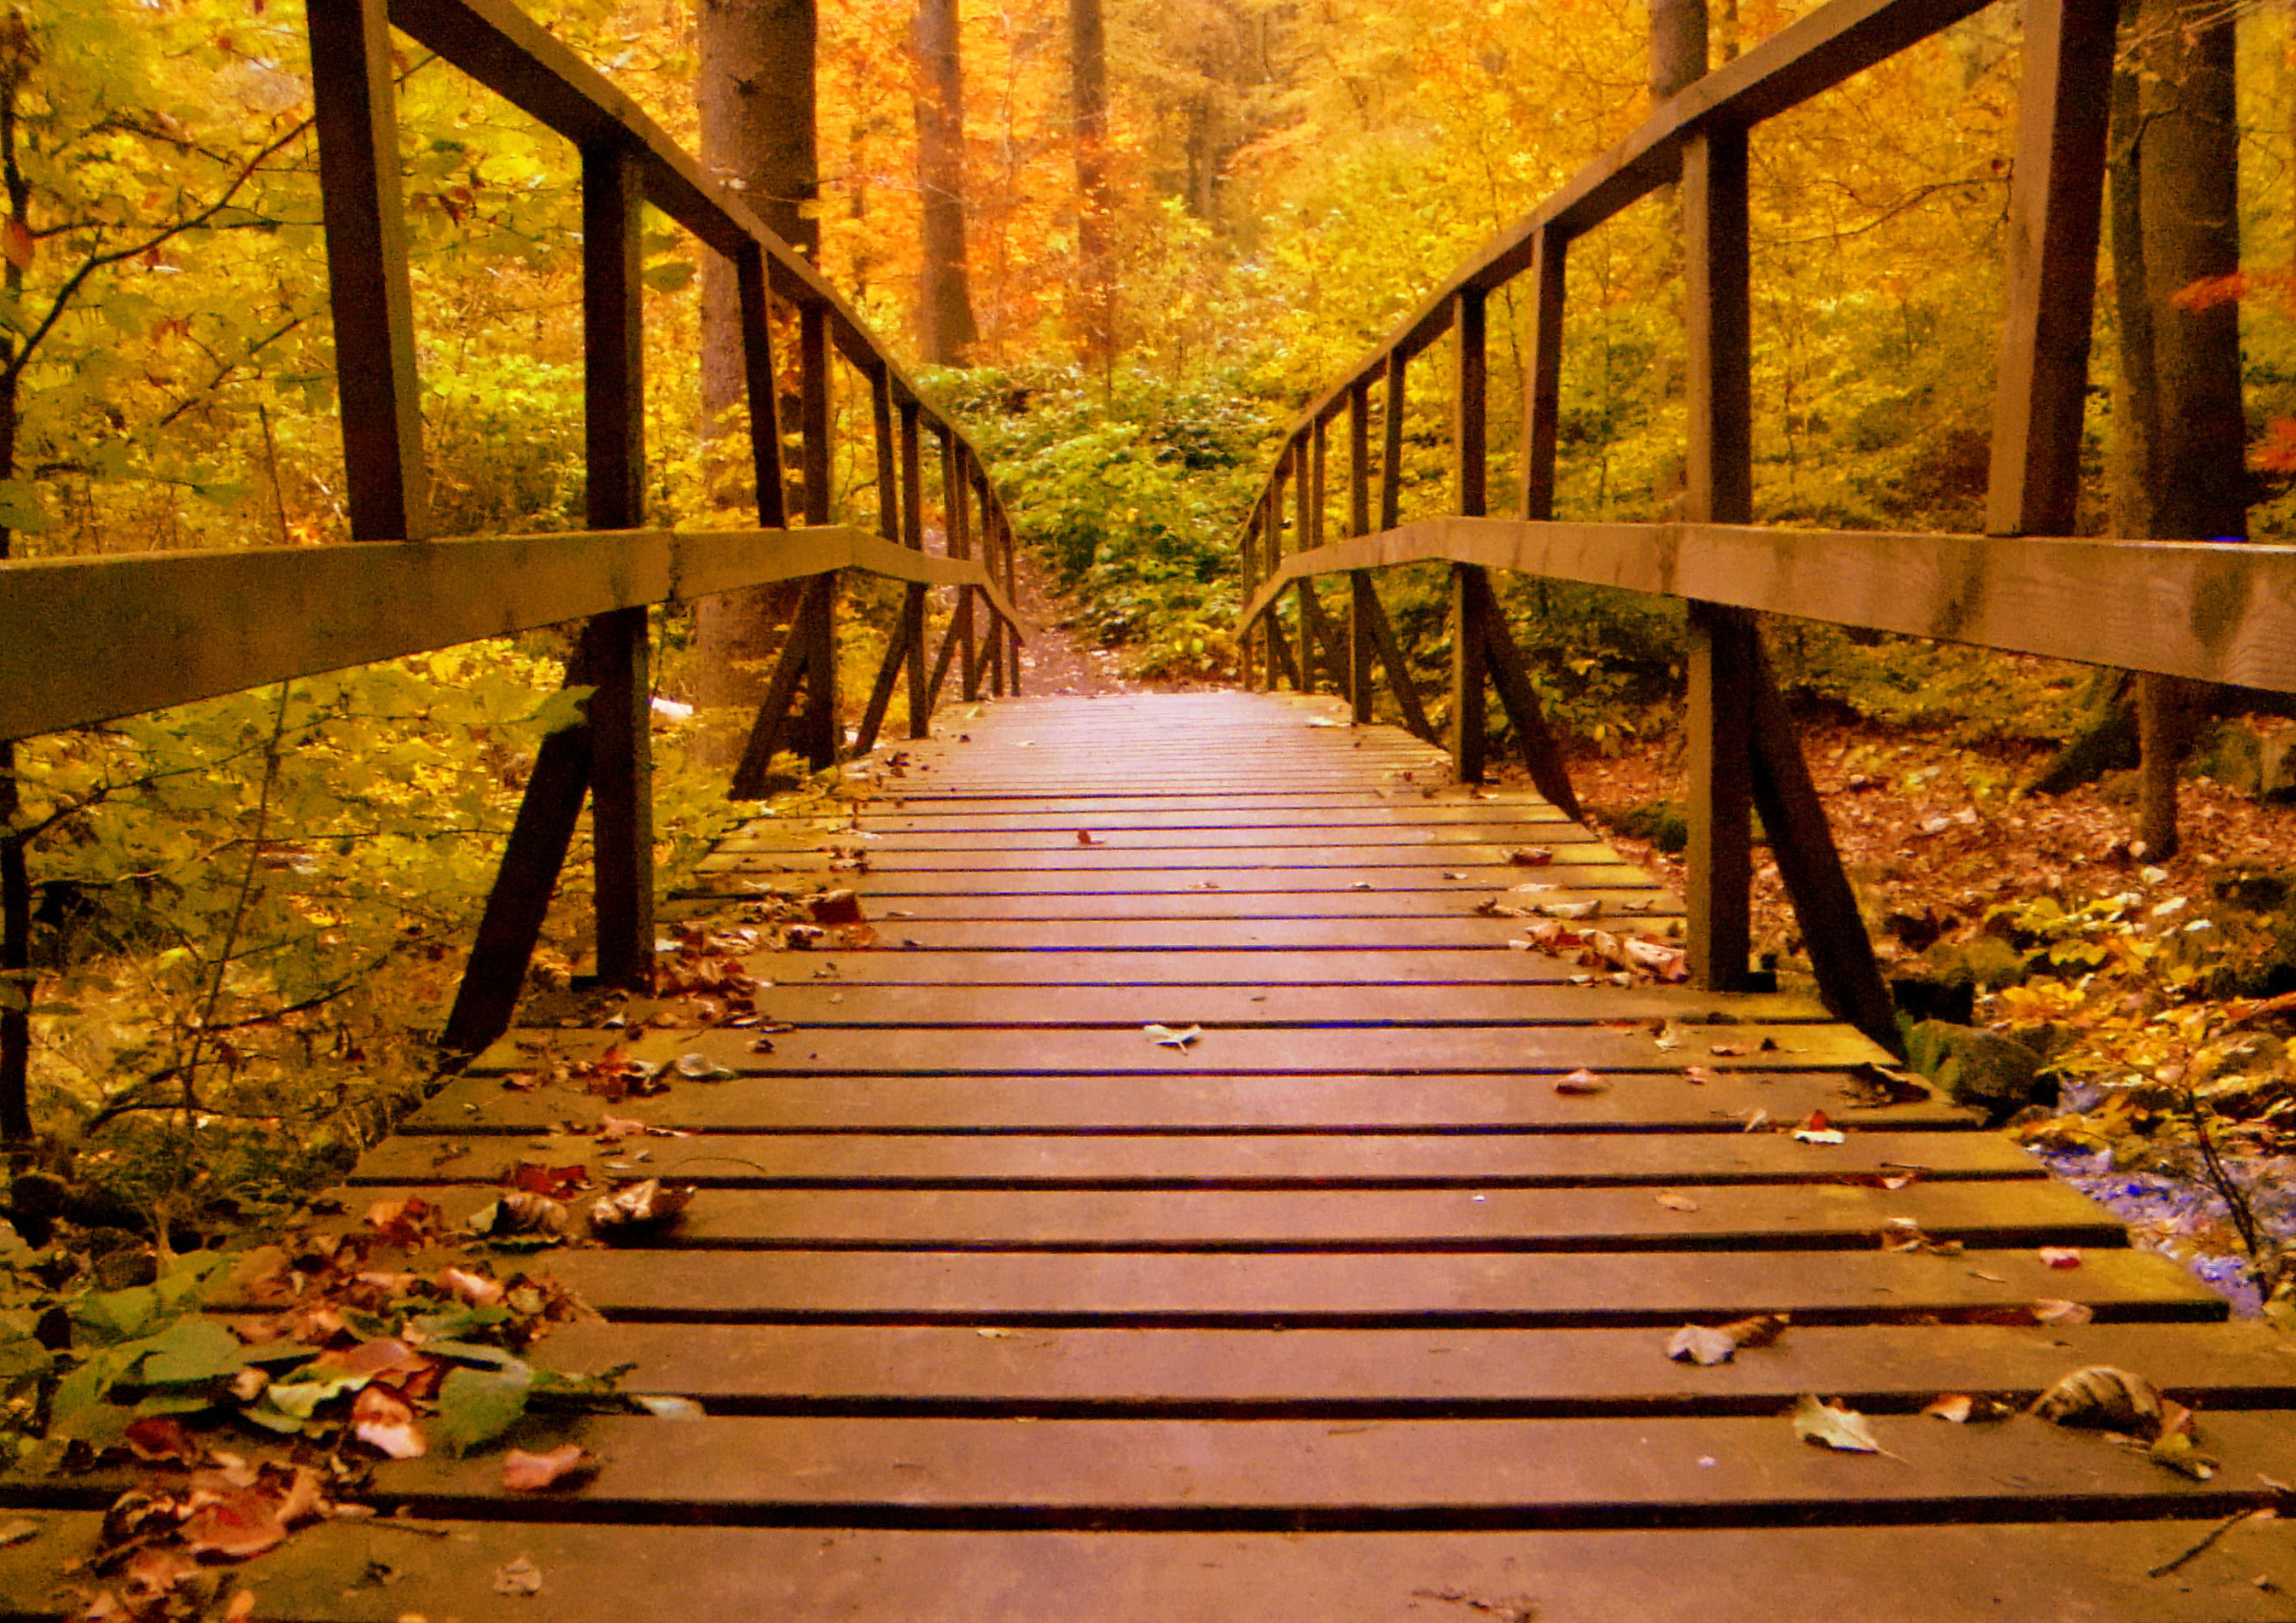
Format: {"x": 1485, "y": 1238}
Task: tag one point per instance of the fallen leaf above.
{"x": 613, "y": 1129}
{"x": 1964, "y": 1407}
{"x": 2050, "y": 1310}
{"x": 2178, "y": 1452}
{"x": 835, "y": 907}
{"x": 385, "y": 1423}
{"x": 235, "y": 1524}
{"x": 1698, "y": 1344}
{"x": 1815, "y": 1420}
{"x": 2104, "y": 1397}
{"x": 1580, "y": 1084}
{"x": 555, "y": 1182}
{"x": 162, "y": 1437}
{"x": 1165, "y": 1037}
{"x": 1823, "y": 1136}
{"x": 1085, "y": 836}
{"x": 1675, "y": 1202}
{"x": 527, "y": 1473}
{"x": 2061, "y": 1256}
{"x": 638, "y": 1210}
{"x": 1667, "y": 1035}
{"x": 520, "y": 1576}
{"x": 701, "y": 1068}
{"x": 1529, "y": 856}
{"x": 16, "y": 1532}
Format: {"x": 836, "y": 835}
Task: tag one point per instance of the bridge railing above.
{"x": 83, "y": 641}
{"x": 2217, "y": 612}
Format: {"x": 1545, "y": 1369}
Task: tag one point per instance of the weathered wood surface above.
{"x": 2215, "y": 611}
{"x": 1342, "y": 1310}
{"x": 182, "y": 626}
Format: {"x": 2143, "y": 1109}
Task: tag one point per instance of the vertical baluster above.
{"x": 1391, "y": 462}
{"x": 1361, "y": 604}
{"x": 2056, "y": 204}
{"x": 764, "y": 392}
{"x": 1303, "y": 538}
{"x": 961, "y": 542}
{"x": 991, "y": 562}
{"x": 613, "y": 195}
{"x": 355, "y": 111}
{"x": 1471, "y": 596}
{"x": 1013, "y": 596}
{"x": 1247, "y": 653}
{"x": 888, "y": 485}
{"x": 1542, "y": 373}
{"x": 913, "y": 534}
{"x": 816, "y": 626}
{"x": 1722, "y": 648}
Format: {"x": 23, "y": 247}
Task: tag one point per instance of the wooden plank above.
{"x": 354, "y": 107}
{"x": 1238, "y": 1051}
{"x": 1273, "y": 1160}
{"x": 1151, "y": 1103}
{"x": 1346, "y": 966}
{"x": 185, "y": 626}
{"x": 1333, "y": 1290}
{"x": 1403, "y": 1473}
{"x": 952, "y": 1369}
{"x": 913, "y": 600}
{"x": 2096, "y": 1571}
{"x": 2056, "y": 194}
{"x": 1740, "y": 1219}
{"x": 1211, "y": 859}
{"x": 1656, "y": 914}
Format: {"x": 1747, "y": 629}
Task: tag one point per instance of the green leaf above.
{"x": 568, "y": 707}
{"x": 191, "y": 1351}
{"x": 476, "y": 1406}
{"x": 107, "y": 1318}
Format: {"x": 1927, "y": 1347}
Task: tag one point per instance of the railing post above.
{"x": 889, "y": 525}
{"x": 1361, "y": 604}
{"x": 1247, "y": 661}
{"x": 1722, "y": 648}
{"x": 1391, "y": 462}
{"x": 815, "y": 628}
{"x": 613, "y": 195}
{"x": 1303, "y": 539}
{"x": 913, "y": 534}
{"x": 359, "y": 193}
{"x": 2055, "y": 203}
{"x": 1012, "y": 595}
{"x": 1470, "y": 597}
{"x": 764, "y": 392}
{"x": 960, "y": 509}
{"x": 1542, "y": 373}
{"x": 991, "y": 560}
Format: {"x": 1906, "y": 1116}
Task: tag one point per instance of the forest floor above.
{"x": 2135, "y": 979}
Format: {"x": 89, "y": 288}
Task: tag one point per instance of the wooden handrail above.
{"x": 177, "y": 627}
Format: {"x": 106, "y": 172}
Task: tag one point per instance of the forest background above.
{"x": 242, "y": 916}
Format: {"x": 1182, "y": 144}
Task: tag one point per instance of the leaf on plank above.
{"x": 1833, "y": 1426}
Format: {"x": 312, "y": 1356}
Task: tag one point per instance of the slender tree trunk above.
{"x": 946, "y": 327}
{"x": 2186, "y": 164}
{"x": 15, "y": 869}
{"x": 1678, "y": 46}
{"x": 1088, "y": 100}
{"x": 755, "y": 92}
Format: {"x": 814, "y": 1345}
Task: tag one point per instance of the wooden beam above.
{"x": 1542, "y": 373}
{"x": 1849, "y": 980}
{"x": 888, "y": 483}
{"x": 1542, "y": 755}
{"x": 1468, "y": 739}
{"x": 913, "y": 596}
{"x": 1391, "y": 462}
{"x": 361, "y": 203}
{"x": 1720, "y": 489}
{"x": 2056, "y": 197}
{"x": 1719, "y": 726}
{"x": 1359, "y": 459}
{"x": 820, "y": 735}
{"x": 1470, "y": 407}
{"x": 1363, "y": 605}
{"x": 615, "y": 644}
{"x": 1312, "y": 630}
{"x": 1279, "y": 649}
{"x": 1399, "y": 679}
{"x": 764, "y": 391}
{"x": 183, "y": 626}
{"x": 753, "y": 772}
{"x": 815, "y": 422}
{"x": 880, "y": 693}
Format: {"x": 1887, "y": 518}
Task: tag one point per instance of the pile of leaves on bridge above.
{"x": 239, "y": 1396}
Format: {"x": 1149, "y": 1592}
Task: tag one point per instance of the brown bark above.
{"x": 1678, "y": 46}
{"x": 1088, "y": 102}
{"x": 946, "y": 327}
{"x": 2190, "y": 442}
{"x": 755, "y": 92}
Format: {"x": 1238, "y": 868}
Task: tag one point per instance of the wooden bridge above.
{"x": 1210, "y": 1155}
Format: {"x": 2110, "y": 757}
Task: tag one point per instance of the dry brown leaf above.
{"x": 562, "y": 1467}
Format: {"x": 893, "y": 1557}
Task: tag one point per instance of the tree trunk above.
{"x": 755, "y": 90}
{"x": 1678, "y": 46}
{"x": 1088, "y": 100}
{"x": 946, "y": 328}
{"x": 2187, "y": 165}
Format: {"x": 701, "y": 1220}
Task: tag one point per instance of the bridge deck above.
{"x": 1345, "y": 1310}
